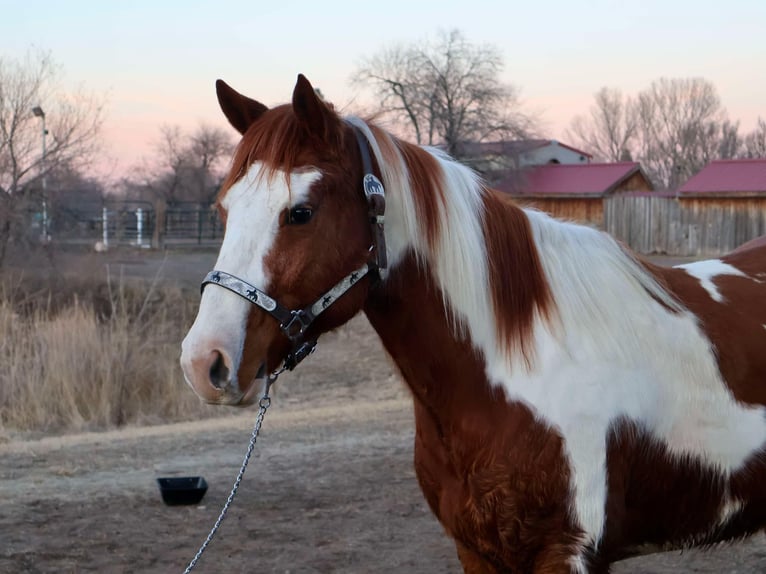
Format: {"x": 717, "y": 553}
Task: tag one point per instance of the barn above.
{"x": 727, "y": 200}
{"x": 575, "y": 192}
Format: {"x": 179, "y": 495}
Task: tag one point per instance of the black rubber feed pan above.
{"x": 182, "y": 490}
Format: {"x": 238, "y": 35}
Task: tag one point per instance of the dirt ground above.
{"x": 330, "y": 487}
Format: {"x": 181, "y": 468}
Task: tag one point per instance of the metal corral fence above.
{"x": 136, "y": 223}
{"x": 190, "y": 224}
{"x": 649, "y": 222}
{"x": 709, "y": 225}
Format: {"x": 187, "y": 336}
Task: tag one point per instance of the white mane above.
{"x": 595, "y": 281}
{"x": 589, "y": 273}
{"x": 458, "y": 260}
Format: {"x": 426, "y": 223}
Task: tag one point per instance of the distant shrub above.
{"x": 84, "y": 356}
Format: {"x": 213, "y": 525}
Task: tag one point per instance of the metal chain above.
{"x": 264, "y": 403}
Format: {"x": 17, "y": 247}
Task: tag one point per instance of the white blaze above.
{"x": 253, "y": 205}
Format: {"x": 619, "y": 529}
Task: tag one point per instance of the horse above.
{"x": 574, "y": 403}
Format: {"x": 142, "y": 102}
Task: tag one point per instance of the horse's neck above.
{"x": 442, "y": 369}
{"x": 440, "y": 362}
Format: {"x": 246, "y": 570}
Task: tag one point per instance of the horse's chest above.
{"x": 494, "y": 490}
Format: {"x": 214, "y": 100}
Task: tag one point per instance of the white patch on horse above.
{"x": 253, "y": 205}
{"x": 708, "y": 270}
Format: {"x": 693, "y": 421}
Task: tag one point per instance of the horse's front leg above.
{"x": 558, "y": 559}
{"x": 554, "y": 559}
{"x": 472, "y": 562}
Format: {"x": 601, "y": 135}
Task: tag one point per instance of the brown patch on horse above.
{"x": 737, "y": 326}
{"x": 654, "y": 497}
{"x": 520, "y": 290}
{"x": 643, "y": 477}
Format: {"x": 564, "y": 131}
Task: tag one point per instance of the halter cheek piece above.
{"x": 295, "y": 322}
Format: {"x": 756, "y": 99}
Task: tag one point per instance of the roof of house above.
{"x": 513, "y": 147}
{"x": 569, "y": 180}
{"x": 728, "y": 176}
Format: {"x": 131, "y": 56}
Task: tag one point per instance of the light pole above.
{"x": 38, "y": 112}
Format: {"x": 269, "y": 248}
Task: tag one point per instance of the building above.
{"x": 574, "y": 192}
{"x": 492, "y": 159}
{"x": 726, "y": 201}
{"x": 728, "y": 178}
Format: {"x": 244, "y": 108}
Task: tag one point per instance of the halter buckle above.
{"x": 299, "y": 353}
{"x": 297, "y": 325}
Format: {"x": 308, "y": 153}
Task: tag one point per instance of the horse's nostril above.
{"x": 219, "y": 372}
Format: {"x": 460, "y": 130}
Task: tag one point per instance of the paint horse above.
{"x": 574, "y": 404}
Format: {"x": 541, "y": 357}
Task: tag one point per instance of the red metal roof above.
{"x": 729, "y": 176}
{"x": 564, "y": 179}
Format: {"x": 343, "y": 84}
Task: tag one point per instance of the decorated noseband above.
{"x": 295, "y": 322}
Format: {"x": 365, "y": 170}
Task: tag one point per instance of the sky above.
{"x": 157, "y": 60}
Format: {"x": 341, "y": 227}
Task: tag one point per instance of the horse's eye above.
{"x": 300, "y": 214}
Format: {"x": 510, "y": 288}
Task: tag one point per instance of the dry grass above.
{"x": 82, "y": 358}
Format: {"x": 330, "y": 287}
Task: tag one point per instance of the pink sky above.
{"x": 158, "y": 61}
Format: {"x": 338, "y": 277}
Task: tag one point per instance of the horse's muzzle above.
{"x": 213, "y": 376}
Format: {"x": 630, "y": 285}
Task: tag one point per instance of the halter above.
{"x": 295, "y": 322}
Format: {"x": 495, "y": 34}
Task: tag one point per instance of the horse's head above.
{"x": 297, "y": 223}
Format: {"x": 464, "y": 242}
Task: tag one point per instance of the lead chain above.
{"x": 263, "y": 405}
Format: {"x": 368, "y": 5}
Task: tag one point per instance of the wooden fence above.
{"x": 686, "y": 226}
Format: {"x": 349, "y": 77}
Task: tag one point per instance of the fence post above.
{"x": 158, "y": 237}
{"x": 139, "y": 227}
{"x": 105, "y": 227}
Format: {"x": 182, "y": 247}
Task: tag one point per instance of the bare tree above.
{"x": 210, "y": 148}
{"x": 609, "y": 130}
{"x": 730, "y": 142}
{"x": 188, "y": 167}
{"x": 674, "y": 127}
{"x": 680, "y": 121}
{"x": 755, "y": 141}
{"x": 447, "y": 92}
{"x": 72, "y": 120}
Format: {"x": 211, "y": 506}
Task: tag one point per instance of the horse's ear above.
{"x": 318, "y": 117}
{"x": 240, "y": 110}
